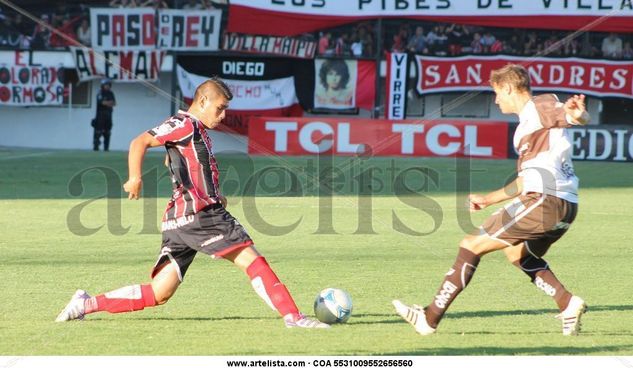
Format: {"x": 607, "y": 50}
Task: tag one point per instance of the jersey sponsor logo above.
{"x": 168, "y": 127}
{"x": 448, "y": 288}
{"x": 547, "y": 288}
{"x": 212, "y": 240}
{"x": 176, "y": 223}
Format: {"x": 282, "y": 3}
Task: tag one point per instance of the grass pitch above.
{"x": 64, "y": 228}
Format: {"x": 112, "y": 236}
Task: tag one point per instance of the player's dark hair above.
{"x": 340, "y": 67}
{"x": 513, "y": 74}
{"x": 217, "y": 84}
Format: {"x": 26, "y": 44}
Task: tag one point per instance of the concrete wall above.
{"x": 138, "y": 108}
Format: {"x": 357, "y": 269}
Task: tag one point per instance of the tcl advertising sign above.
{"x": 438, "y": 138}
{"x": 595, "y": 77}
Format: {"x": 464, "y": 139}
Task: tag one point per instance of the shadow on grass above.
{"x": 393, "y": 318}
{"x": 532, "y": 350}
{"x": 193, "y": 318}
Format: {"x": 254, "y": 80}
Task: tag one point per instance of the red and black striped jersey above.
{"x": 192, "y": 165}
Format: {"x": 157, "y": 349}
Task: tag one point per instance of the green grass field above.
{"x": 58, "y": 235}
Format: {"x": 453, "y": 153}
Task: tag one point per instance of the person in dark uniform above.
{"x": 102, "y": 123}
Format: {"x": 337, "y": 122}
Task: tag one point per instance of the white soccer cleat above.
{"x": 303, "y": 322}
{"x": 415, "y": 316}
{"x": 571, "y": 316}
{"x": 75, "y": 308}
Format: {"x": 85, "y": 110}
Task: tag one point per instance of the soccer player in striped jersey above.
{"x": 195, "y": 220}
{"x": 544, "y": 203}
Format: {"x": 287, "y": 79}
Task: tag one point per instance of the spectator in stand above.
{"x": 156, "y": 4}
{"x": 83, "y": 32}
{"x": 456, "y": 34}
{"x": 417, "y": 42}
{"x": 475, "y": 45}
{"x": 66, "y": 35}
{"x": 193, "y": 5}
{"x": 41, "y": 34}
{"x": 398, "y": 44}
{"x": 123, "y": 4}
{"x": 497, "y": 47}
{"x": 531, "y": 45}
{"x": 366, "y": 39}
{"x": 587, "y": 48}
{"x": 627, "y": 51}
{"x": 436, "y": 40}
{"x": 553, "y": 47}
{"x": 513, "y": 47}
{"x": 342, "y": 46}
{"x": 571, "y": 46}
{"x": 21, "y": 26}
{"x": 487, "y": 40}
{"x": 9, "y": 36}
{"x": 357, "y": 45}
{"x": 612, "y": 47}
{"x": 325, "y": 47}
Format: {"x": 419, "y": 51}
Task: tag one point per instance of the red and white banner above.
{"x": 396, "y": 83}
{"x": 275, "y": 97}
{"x": 189, "y": 30}
{"x": 282, "y": 46}
{"x": 30, "y": 78}
{"x": 123, "y": 28}
{"x": 439, "y": 138}
{"x": 292, "y": 17}
{"x": 120, "y": 66}
{"x": 594, "y": 77}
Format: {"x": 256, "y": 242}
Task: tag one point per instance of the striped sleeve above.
{"x": 173, "y": 130}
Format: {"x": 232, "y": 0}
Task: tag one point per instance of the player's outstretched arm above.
{"x": 138, "y": 147}
{"x": 478, "y": 202}
{"x": 576, "y": 111}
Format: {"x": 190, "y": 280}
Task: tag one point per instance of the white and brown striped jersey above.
{"x": 192, "y": 165}
{"x": 544, "y": 149}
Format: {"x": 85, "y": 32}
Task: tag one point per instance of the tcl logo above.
{"x": 247, "y": 68}
{"x": 377, "y": 137}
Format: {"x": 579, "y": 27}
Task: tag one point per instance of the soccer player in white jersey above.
{"x": 544, "y": 202}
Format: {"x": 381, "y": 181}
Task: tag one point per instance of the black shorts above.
{"x": 534, "y": 219}
{"x": 212, "y": 231}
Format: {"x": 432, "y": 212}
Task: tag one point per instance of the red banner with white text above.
{"x": 594, "y": 77}
{"x": 293, "y": 17}
{"x": 408, "y": 138}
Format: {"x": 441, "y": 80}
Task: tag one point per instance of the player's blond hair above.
{"x": 513, "y": 74}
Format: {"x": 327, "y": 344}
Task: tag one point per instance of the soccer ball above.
{"x": 333, "y": 306}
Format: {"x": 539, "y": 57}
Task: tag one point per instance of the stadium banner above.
{"x": 344, "y": 85}
{"x": 408, "y": 138}
{"x": 396, "y": 84}
{"x": 123, "y": 28}
{"x": 120, "y": 66}
{"x": 602, "y": 78}
{"x": 594, "y": 143}
{"x": 252, "y": 95}
{"x": 271, "y": 45}
{"x": 189, "y": 30}
{"x": 31, "y": 78}
{"x": 293, "y": 17}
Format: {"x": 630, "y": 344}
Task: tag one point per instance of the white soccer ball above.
{"x": 333, "y": 306}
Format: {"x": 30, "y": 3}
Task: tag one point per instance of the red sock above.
{"x": 270, "y": 289}
{"x": 126, "y": 299}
